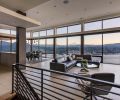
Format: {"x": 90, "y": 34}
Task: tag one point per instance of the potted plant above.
{"x": 84, "y": 63}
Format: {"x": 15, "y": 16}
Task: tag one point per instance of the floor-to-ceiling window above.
{"x": 35, "y": 45}
{"x": 74, "y": 28}
{"x": 42, "y": 46}
{"x": 61, "y": 46}
{"x": 13, "y": 45}
{"x": 6, "y": 45}
{"x": 93, "y": 26}
{"x": 28, "y": 45}
{"x": 111, "y": 48}
{"x": 93, "y": 46}
{"x": 74, "y": 45}
{"x": 49, "y": 48}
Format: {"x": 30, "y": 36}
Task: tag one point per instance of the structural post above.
{"x": 54, "y": 50}
{"x": 20, "y": 45}
{"x": 54, "y": 45}
{"x": 31, "y": 43}
{"x": 82, "y": 38}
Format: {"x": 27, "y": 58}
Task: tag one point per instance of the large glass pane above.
{"x": 50, "y": 32}
{"x": 35, "y": 45}
{"x": 93, "y": 26}
{"x": 0, "y": 45}
{"x": 13, "y": 32}
{"x": 36, "y": 34}
{"x": 74, "y": 44}
{"x": 62, "y": 30}
{"x": 111, "y": 23}
{"x": 42, "y": 33}
{"x": 28, "y": 45}
{"x": 13, "y": 45}
{"x": 6, "y": 45}
{"x": 49, "y": 48}
{"x": 27, "y": 34}
{"x": 111, "y": 48}
{"x": 61, "y": 44}
{"x": 5, "y": 31}
{"x": 42, "y": 46}
{"x": 74, "y": 28}
{"x": 93, "y": 45}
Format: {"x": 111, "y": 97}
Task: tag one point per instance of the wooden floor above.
{"x": 104, "y": 68}
{"x": 5, "y": 75}
{"x": 5, "y": 79}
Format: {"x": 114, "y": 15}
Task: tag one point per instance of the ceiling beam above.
{"x": 9, "y": 17}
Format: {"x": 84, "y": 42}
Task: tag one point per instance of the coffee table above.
{"x": 89, "y": 65}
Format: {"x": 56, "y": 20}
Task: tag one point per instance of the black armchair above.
{"x": 96, "y": 91}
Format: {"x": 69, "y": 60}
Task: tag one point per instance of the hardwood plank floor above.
{"x": 5, "y": 77}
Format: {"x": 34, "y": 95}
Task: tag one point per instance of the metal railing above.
{"x": 32, "y": 83}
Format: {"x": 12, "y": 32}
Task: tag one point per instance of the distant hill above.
{"x": 111, "y": 48}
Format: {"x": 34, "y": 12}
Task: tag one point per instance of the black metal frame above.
{"x": 39, "y": 84}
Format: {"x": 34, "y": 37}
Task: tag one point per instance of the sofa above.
{"x": 71, "y": 61}
{"x": 62, "y": 65}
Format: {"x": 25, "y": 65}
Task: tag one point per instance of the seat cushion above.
{"x": 69, "y": 63}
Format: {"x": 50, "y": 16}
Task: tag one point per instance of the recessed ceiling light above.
{"x": 66, "y": 1}
{"x": 37, "y": 12}
{"x": 110, "y": 2}
{"x": 85, "y": 9}
{"x": 54, "y": 6}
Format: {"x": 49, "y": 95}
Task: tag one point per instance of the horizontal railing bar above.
{"x": 50, "y": 76}
{"x": 62, "y": 84}
{"x": 75, "y": 76}
{"x": 23, "y": 77}
{"x": 35, "y": 84}
{"x": 46, "y": 98}
{"x": 51, "y": 95}
{"x": 22, "y": 92}
{"x": 33, "y": 79}
{"x": 56, "y": 88}
{"x": 30, "y": 71}
{"x": 50, "y": 90}
{"x": 56, "y": 83}
{"x": 21, "y": 89}
{"x": 30, "y": 75}
{"x": 58, "y": 93}
{"x": 63, "y": 90}
{"x": 67, "y": 86}
{"x": 25, "y": 88}
{"x": 61, "y": 79}
{"x": 47, "y": 93}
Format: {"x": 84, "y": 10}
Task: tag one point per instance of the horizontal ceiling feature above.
{"x": 9, "y": 17}
{"x": 21, "y": 5}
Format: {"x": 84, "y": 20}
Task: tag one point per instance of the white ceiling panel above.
{"x": 21, "y": 5}
{"x": 55, "y": 12}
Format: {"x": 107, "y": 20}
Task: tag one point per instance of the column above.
{"x": 20, "y": 45}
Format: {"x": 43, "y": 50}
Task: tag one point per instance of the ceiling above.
{"x": 55, "y": 12}
{"x": 21, "y": 5}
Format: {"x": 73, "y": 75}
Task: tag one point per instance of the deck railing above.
{"x": 32, "y": 83}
